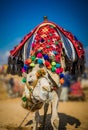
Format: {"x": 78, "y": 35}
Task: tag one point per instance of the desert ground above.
{"x": 73, "y": 114}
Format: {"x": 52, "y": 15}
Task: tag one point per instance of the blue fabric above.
{"x": 67, "y": 79}
{"x": 67, "y": 46}
{"x": 29, "y": 46}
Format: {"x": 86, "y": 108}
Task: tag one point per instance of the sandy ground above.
{"x": 73, "y": 115}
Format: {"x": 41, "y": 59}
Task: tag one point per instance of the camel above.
{"x": 44, "y": 93}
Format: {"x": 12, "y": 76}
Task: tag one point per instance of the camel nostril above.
{"x": 30, "y": 82}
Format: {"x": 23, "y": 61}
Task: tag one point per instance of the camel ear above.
{"x": 24, "y": 75}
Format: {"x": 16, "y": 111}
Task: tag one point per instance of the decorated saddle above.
{"x": 48, "y": 41}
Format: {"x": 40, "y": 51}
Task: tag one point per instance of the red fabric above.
{"x": 45, "y": 39}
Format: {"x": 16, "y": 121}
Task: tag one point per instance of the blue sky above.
{"x": 19, "y": 17}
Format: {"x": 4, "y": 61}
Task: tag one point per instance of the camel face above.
{"x": 31, "y": 78}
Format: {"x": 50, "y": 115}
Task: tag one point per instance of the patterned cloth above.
{"x": 47, "y": 41}
{"x": 46, "y": 48}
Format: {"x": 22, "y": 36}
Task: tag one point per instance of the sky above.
{"x": 19, "y": 17}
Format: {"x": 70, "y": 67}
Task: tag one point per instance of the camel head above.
{"x": 33, "y": 76}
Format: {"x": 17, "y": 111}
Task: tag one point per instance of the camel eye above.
{"x": 50, "y": 83}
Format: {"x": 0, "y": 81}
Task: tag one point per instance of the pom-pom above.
{"x": 49, "y": 67}
{"x": 40, "y": 61}
{"x": 32, "y": 58}
{"x": 53, "y": 69}
{"x": 23, "y": 70}
{"x": 46, "y": 57}
{"x": 55, "y": 52}
{"x": 47, "y": 63}
{"x": 25, "y": 67}
{"x": 57, "y": 65}
{"x": 53, "y": 63}
{"x": 39, "y": 55}
{"x": 62, "y": 80}
{"x": 28, "y": 61}
{"x": 58, "y": 71}
{"x": 57, "y": 59}
{"x": 24, "y": 99}
{"x": 24, "y": 80}
{"x": 61, "y": 75}
{"x": 42, "y": 40}
{"x": 40, "y": 73}
{"x": 61, "y": 70}
{"x": 32, "y": 64}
